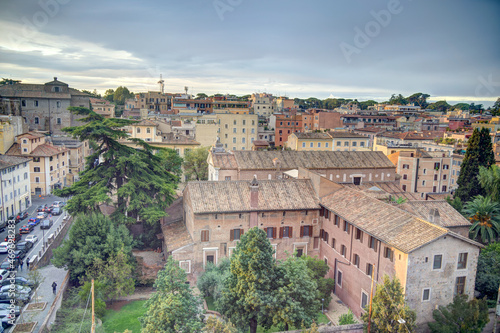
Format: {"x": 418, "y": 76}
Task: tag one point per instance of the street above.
{"x": 36, "y": 201}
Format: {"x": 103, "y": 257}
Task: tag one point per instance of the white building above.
{"x": 15, "y": 186}
{"x": 263, "y": 104}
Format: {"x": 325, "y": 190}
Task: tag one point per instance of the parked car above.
{"x": 30, "y": 238}
{"x": 20, "y": 281}
{"x": 34, "y": 220}
{"x": 26, "y": 246}
{"x": 16, "y": 238}
{"x": 41, "y": 215}
{"x": 15, "y": 288}
{"x": 17, "y": 309}
{"x": 56, "y": 211}
{"x": 21, "y": 216}
{"x": 7, "y": 319}
{"x": 26, "y": 229}
{"x": 8, "y": 265}
{"x": 59, "y": 204}
{"x": 46, "y": 224}
{"x": 40, "y": 208}
{"x": 19, "y": 298}
{"x": 4, "y": 274}
{"x": 4, "y": 247}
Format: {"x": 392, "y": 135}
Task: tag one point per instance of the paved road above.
{"x": 36, "y": 201}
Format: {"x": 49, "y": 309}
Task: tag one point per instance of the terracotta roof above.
{"x": 225, "y": 161}
{"x": 382, "y": 190}
{"x": 341, "y": 134}
{"x": 449, "y": 217}
{"x": 260, "y": 143}
{"x": 313, "y": 135}
{"x": 43, "y": 150}
{"x": 146, "y": 122}
{"x": 394, "y": 158}
{"x": 31, "y": 135}
{"x": 174, "y": 212}
{"x": 176, "y": 123}
{"x": 234, "y": 196}
{"x": 383, "y": 221}
{"x": 263, "y": 160}
{"x": 176, "y": 235}
{"x": 178, "y": 139}
{"x": 31, "y": 91}
{"x": 8, "y": 161}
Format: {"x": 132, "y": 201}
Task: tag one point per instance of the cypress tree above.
{"x": 479, "y": 153}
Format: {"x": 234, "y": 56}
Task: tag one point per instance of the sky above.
{"x": 364, "y": 49}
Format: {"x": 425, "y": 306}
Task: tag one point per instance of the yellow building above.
{"x": 237, "y": 131}
{"x": 146, "y": 130}
{"x": 315, "y": 141}
{"x": 347, "y": 141}
{"x": 206, "y": 130}
{"x": 50, "y": 163}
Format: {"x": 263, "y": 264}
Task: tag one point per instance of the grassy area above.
{"x": 210, "y": 303}
{"x": 126, "y": 318}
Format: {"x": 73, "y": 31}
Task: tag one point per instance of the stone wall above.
{"x": 43, "y": 257}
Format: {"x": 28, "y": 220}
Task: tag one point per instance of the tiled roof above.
{"x": 385, "y": 222}
{"x": 176, "y": 235}
{"x": 341, "y": 134}
{"x": 263, "y": 160}
{"x": 382, "y": 190}
{"x": 31, "y": 135}
{"x": 179, "y": 139}
{"x": 225, "y": 161}
{"x": 34, "y": 91}
{"x": 174, "y": 212}
{"x": 146, "y": 122}
{"x": 260, "y": 143}
{"x": 8, "y": 161}
{"x": 313, "y": 135}
{"x": 448, "y": 216}
{"x": 40, "y": 151}
{"x": 234, "y": 196}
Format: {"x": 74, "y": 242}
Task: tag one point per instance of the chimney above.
{"x": 254, "y": 202}
{"x": 277, "y": 164}
{"x": 434, "y": 216}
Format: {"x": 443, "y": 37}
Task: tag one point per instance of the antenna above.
{"x": 162, "y": 85}
{"x": 186, "y": 89}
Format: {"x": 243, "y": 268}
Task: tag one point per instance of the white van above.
{"x": 4, "y": 247}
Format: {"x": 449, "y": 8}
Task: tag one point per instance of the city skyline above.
{"x": 323, "y": 49}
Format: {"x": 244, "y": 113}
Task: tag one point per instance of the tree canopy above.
{"x": 92, "y": 237}
{"x": 247, "y": 299}
{"x": 173, "y": 307}
{"x": 142, "y": 186}
{"x": 460, "y": 316}
{"x": 484, "y": 214}
{"x": 479, "y": 153}
{"x": 488, "y": 271}
{"x": 195, "y": 164}
{"x": 388, "y": 307}
{"x": 490, "y": 181}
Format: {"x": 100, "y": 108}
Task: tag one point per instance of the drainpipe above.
{"x": 416, "y": 176}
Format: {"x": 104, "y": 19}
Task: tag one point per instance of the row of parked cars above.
{"x": 19, "y": 289}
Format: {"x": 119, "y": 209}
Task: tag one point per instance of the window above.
{"x": 35, "y": 103}
{"x": 446, "y": 166}
{"x": 435, "y": 177}
{"x": 234, "y": 130}
{"x": 306, "y": 231}
{"x": 336, "y": 220}
{"x": 300, "y": 252}
{"x": 36, "y": 169}
{"x": 346, "y": 226}
{"x": 346, "y": 144}
{"x": 234, "y": 122}
{"x": 372, "y": 243}
{"x": 388, "y": 253}
{"x": 333, "y": 243}
{"x": 436, "y": 166}
{"x": 271, "y": 232}
{"x": 37, "y": 121}
{"x": 361, "y": 144}
{"x": 425, "y": 171}
{"x": 303, "y": 144}
{"x": 357, "y": 180}
{"x": 460, "y": 285}
{"x": 37, "y": 179}
{"x": 406, "y": 166}
{"x": 285, "y": 232}
{"x": 338, "y": 143}
{"x": 58, "y": 104}
{"x": 242, "y": 140}
{"x": 354, "y": 144}
{"x": 316, "y": 243}
{"x": 319, "y": 144}
{"x": 369, "y": 269}
{"x": 438, "y": 259}
{"x": 243, "y": 131}
{"x": 25, "y": 175}
{"x": 359, "y": 235}
{"x": 23, "y": 102}
{"x": 205, "y": 236}
{"x": 148, "y": 130}
{"x": 364, "y": 300}
{"x": 434, "y": 188}
{"x": 356, "y": 260}
{"x": 426, "y": 295}
{"x": 423, "y": 182}
{"x": 462, "y": 261}
{"x": 443, "y": 188}
{"x": 311, "y": 144}
{"x": 235, "y": 234}
{"x": 339, "y": 278}
{"x": 326, "y": 144}
{"x": 343, "y": 250}
{"x": 405, "y": 176}
{"x": 58, "y": 121}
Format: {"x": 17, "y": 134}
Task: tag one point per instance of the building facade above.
{"x": 15, "y": 186}
{"x": 237, "y": 131}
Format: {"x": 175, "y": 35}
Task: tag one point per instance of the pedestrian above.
{"x": 21, "y": 264}
{"x": 54, "y": 286}
{"x": 28, "y": 264}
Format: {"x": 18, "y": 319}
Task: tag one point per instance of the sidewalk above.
{"x": 44, "y": 294}
{"x": 335, "y": 309}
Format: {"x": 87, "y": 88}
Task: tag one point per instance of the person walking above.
{"x": 28, "y": 264}
{"x": 21, "y": 264}
{"x": 54, "y": 286}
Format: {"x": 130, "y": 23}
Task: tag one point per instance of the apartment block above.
{"x": 311, "y": 141}
{"x": 263, "y": 104}
{"x": 15, "y": 187}
{"x": 347, "y": 141}
{"x": 103, "y": 107}
{"x": 285, "y": 125}
{"x": 237, "y": 131}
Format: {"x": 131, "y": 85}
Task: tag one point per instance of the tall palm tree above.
{"x": 484, "y": 214}
{"x": 490, "y": 181}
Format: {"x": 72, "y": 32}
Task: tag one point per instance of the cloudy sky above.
{"x": 366, "y": 49}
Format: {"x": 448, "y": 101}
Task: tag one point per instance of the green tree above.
{"x": 388, "y": 307}
{"x": 488, "y": 271}
{"x": 365, "y": 104}
{"x": 461, "y": 106}
{"x": 460, "y": 316}
{"x": 171, "y": 161}
{"x": 91, "y": 237}
{"x": 419, "y": 99}
{"x": 109, "y": 95}
{"x": 247, "y": 299}
{"x": 173, "y": 307}
{"x": 325, "y": 285}
{"x": 201, "y": 95}
{"x": 5, "y": 81}
{"x": 216, "y": 325}
{"x": 490, "y": 181}
{"x": 94, "y": 93}
{"x": 347, "y": 318}
{"x": 212, "y": 281}
{"x": 195, "y": 164}
{"x": 121, "y": 94}
{"x": 495, "y": 110}
{"x": 99, "y": 297}
{"x": 398, "y": 99}
{"x": 134, "y": 176}
{"x": 479, "y": 153}
{"x": 484, "y": 214}
{"x": 439, "y": 106}
{"x": 455, "y": 203}
{"x": 296, "y": 300}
